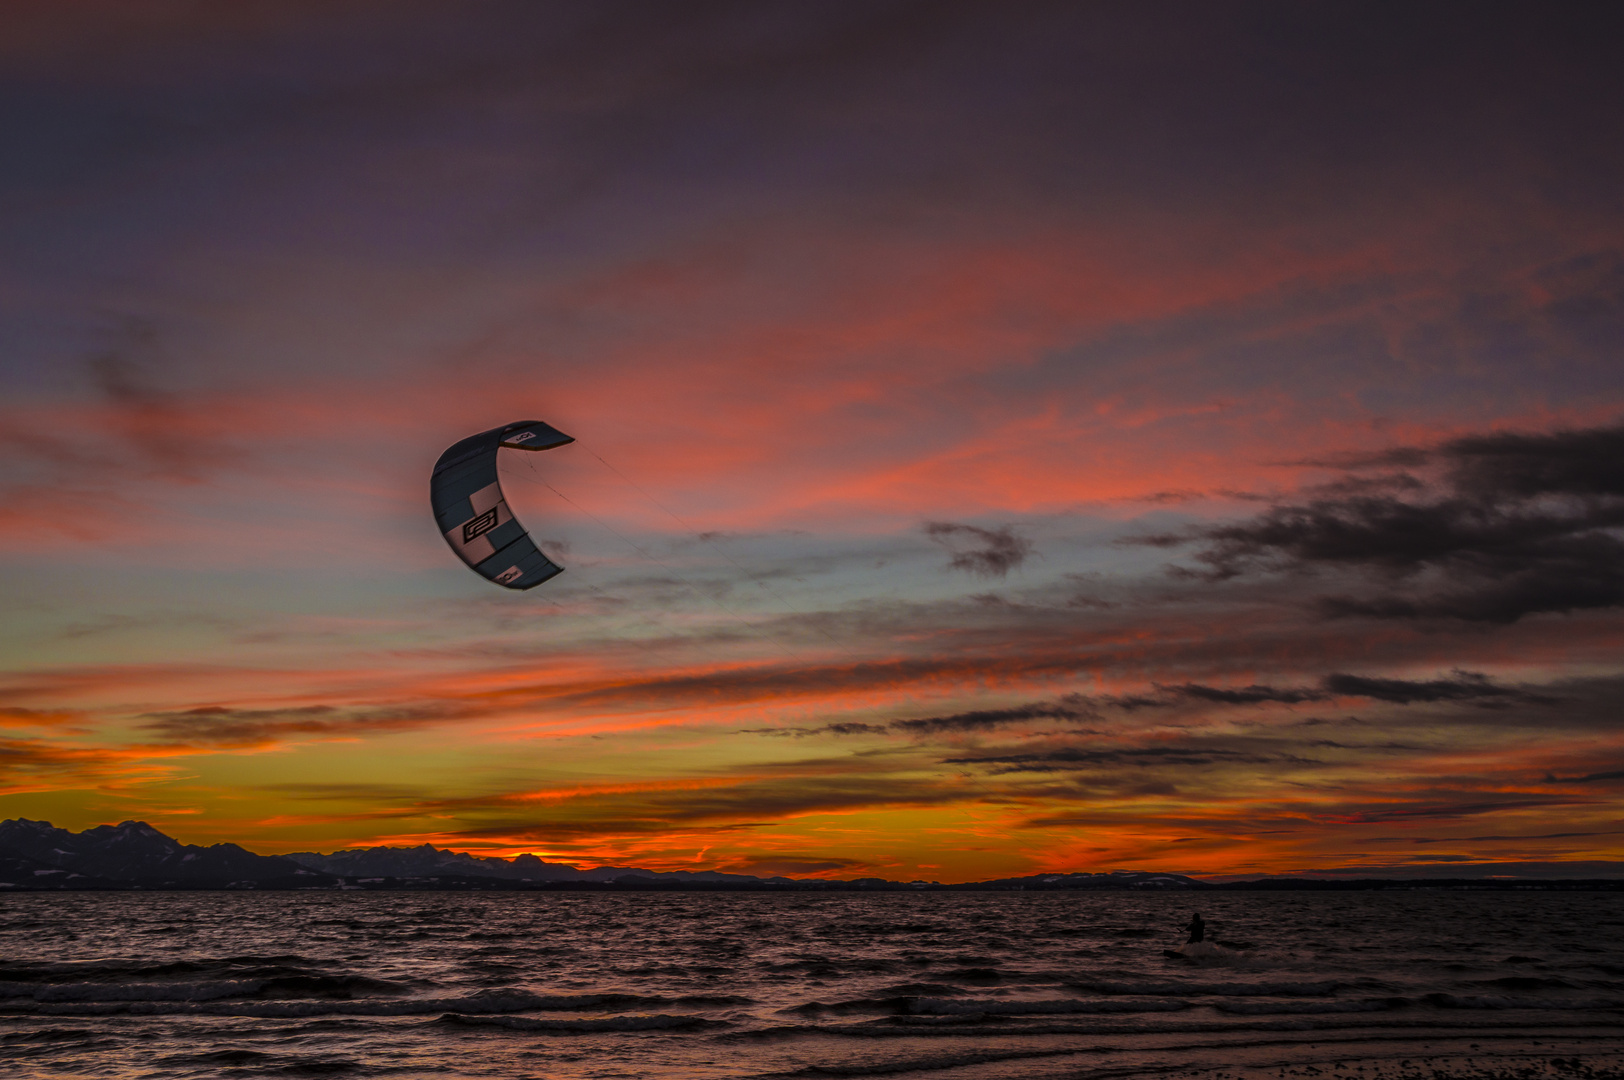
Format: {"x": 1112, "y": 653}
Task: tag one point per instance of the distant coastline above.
{"x": 35, "y": 856}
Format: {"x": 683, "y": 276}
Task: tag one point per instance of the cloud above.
{"x": 1071, "y": 707}
{"x": 849, "y": 727}
{"x": 1482, "y": 839}
{"x": 28, "y": 765}
{"x": 1464, "y": 686}
{"x": 729, "y": 804}
{"x": 231, "y": 728}
{"x": 1586, "y": 464}
{"x": 1589, "y": 779}
{"x": 88, "y": 468}
{"x": 1510, "y": 525}
{"x": 1420, "y": 811}
{"x": 1139, "y": 757}
{"x": 16, "y": 716}
{"x": 137, "y": 429}
{"x": 840, "y": 728}
{"x": 983, "y": 552}
{"x": 157, "y": 424}
{"x": 775, "y": 865}
{"x": 1246, "y": 695}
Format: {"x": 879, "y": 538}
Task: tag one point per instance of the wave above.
{"x": 1343, "y": 1028}
{"x": 1437, "y": 1001}
{"x": 903, "y": 1005}
{"x": 113, "y": 967}
{"x": 1500, "y": 1001}
{"x": 846, "y": 1008}
{"x": 1440, "y": 1001}
{"x": 233, "y": 1056}
{"x": 922, "y": 989}
{"x": 216, "y": 999}
{"x": 149, "y": 1000}
{"x": 1227, "y": 988}
{"x": 286, "y": 986}
{"x": 51, "y": 1035}
{"x": 1276, "y": 1008}
{"x": 658, "y": 1022}
{"x": 939, "y": 1006}
{"x": 1528, "y": 982}
{"x": 205, "y": 991}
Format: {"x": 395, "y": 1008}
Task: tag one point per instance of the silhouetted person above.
{"x": 1197, "y": 929}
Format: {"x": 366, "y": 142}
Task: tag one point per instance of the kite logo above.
{"x": 479, "y": 526}
{"x": 511, "y": 574}
{"x": 521, "y": 436}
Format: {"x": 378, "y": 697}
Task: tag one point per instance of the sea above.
{"x": 902, "y": 985}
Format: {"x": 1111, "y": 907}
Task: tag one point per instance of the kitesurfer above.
{"x": 1197, "y": 929}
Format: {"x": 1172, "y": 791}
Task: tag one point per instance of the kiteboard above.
{"x": 1195, "y": 950}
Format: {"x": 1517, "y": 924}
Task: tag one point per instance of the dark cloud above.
{"x": 730, "y": 807}
{"x": 1070, "y": 708}
{"x": 1140, "y": 757}
{"x": 1460, "y": 686}
{"x": 771, "y": 865}
{"x": 1392, "y": 747}
{"x": 811, "y": 680}
{"x": 844, "y": 728}
{"x": 984, "y": 552}
{"x": 1510, "y": 525}
{"x": 1463, "y": 686}
{"x": 1073, "y": 707}
{"x": 217, "y": 726}
{"x": 1246, "y": 695}
{"x": 1585, "y": 464}
{"x": 1448, "y": 809}
{"x": 852, "y": 728}
{"x": 1481, "y": 839}
{"x": 1386, "y": 483}
{"x": 1134, "y": 702}
{"x": 1590, "y": 779}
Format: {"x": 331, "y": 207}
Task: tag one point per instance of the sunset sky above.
{"x": 1011, "y": 437}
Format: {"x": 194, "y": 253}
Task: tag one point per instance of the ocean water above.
{"x": 974, "y": 986}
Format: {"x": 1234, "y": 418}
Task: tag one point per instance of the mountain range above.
{"x": 35, "y": 855}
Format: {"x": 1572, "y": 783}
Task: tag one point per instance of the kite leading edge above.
{"x": 473, "y": 515}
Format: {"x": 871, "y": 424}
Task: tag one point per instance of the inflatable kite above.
{"x": 473, "y": 515}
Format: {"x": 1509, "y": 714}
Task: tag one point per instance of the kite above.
{"x": 473, "y": 515}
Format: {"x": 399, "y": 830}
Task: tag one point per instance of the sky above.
{"x": 1010, "y": 438}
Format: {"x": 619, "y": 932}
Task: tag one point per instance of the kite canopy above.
{"x": 473, "y": 515}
